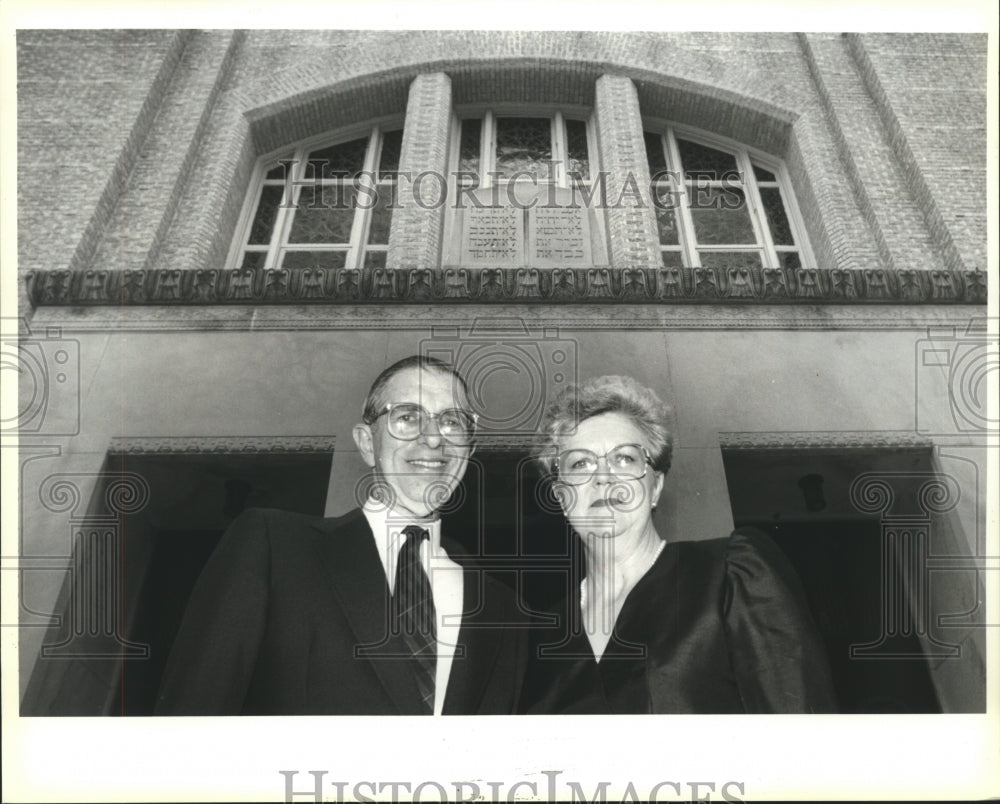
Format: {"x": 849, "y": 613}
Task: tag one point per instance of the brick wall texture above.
{"x": 415, "y": 239}
{"x": 136, "y": 148}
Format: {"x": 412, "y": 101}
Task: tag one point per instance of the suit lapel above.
{"x": 479, "y": 641}
{"x": 360, "y": 585}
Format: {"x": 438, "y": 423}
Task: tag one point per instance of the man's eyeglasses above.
{"x": 408, "y": 421}
{"x": 575, "y": 467}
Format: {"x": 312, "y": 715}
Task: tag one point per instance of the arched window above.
{"x": 323, "y": 204}
{"x": 722, "y": 205}
{"x": 522, "y": 189}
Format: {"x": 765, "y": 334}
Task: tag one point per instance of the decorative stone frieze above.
{"x": 524, "y": 284}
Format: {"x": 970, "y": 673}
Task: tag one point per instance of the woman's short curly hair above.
{"x": 608, "y": 394}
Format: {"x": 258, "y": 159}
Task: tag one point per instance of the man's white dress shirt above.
{"x": 445, "y": 576}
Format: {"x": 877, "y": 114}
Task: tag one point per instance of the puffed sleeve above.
{"x": 213, "y": 657}
{"x": 777, "y": 654}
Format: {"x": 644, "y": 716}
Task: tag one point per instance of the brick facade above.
{"x": 889, "y": 176}
{"x": 930, "y": 105}
{"x": 632, "y": 234}
{"x": 137, "y": 150}
{"x": 415, "y": 239}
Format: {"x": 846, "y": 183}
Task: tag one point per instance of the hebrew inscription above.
{"x": 493, "y": 235}
{"x": 558, "y": 236}
{"x": 539, "y": 236}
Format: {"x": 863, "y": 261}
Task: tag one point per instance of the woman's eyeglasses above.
{"x": 575, "y": 467}
{"x": 408, "y": 421}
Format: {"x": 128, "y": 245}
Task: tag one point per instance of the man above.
{"x": 367, "y": 613}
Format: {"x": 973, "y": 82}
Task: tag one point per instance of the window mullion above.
{"x": 592, "y": 150}
{"x": 560, "y": 150}
{"x": 455, "y": 165}
{"x": 489, "y": 147}
{"x": 455, "y": 148}
{"x": 684, "y": 217}
{"x": 359, "y": 226}
{"x": 283, "y": 221}
{"x": 248, "y": 226}
{"x": 794, "y": 217}
{"x": 757, "y": 217}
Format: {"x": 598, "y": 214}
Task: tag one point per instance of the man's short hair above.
{"x": 374, "y": 401}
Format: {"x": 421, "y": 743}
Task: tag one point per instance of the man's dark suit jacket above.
{"x": 281, "y": 608}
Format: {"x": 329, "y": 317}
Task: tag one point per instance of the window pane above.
{"x": 374, "y": 259}
{"x": 254, "y": 260}
{"x": 777, "y": 220}
{"x": 381, "y": 217}
{"x": 700, "y": 161}
{"x": 666, "y": 220}
{"x": 392, "y": 145}
{"x": 720, "y": 216}
{"x": 468, "y": 156}
{"x": 672, "y": 259}
{"x": 576, "y": 147}
{"x": 337, "y": 160}
{"x": 654, "y": 152}
{"x": 763, "y": 175}
{"x": 789, "y": 259}
{"x": 267, "y": 211}
{"x": 323, "y": 223}
{"x": 524, "y": 144}
{"x": 314, "y": 197}
{"x": 314, "y": 259}
{"x": 276, "y": 173}
{"x": 730, "y": 259}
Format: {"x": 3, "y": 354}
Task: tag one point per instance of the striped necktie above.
{"x": 414, "y": 615}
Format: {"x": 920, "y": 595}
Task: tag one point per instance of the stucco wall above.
{"x": 831, "y": 384}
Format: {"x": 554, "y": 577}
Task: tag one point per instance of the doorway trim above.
{"x": 206, "y": 445}
{"x": 822, "y": 439}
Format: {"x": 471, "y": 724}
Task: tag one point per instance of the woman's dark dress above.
{"x": 716, "y": 626}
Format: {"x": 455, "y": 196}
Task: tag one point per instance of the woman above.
{"x": 716, "y": 626}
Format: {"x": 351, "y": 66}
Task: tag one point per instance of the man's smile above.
{"x": 433, "y": 464}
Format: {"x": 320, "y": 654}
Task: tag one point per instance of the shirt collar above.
{"x": 387, "y": 526}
